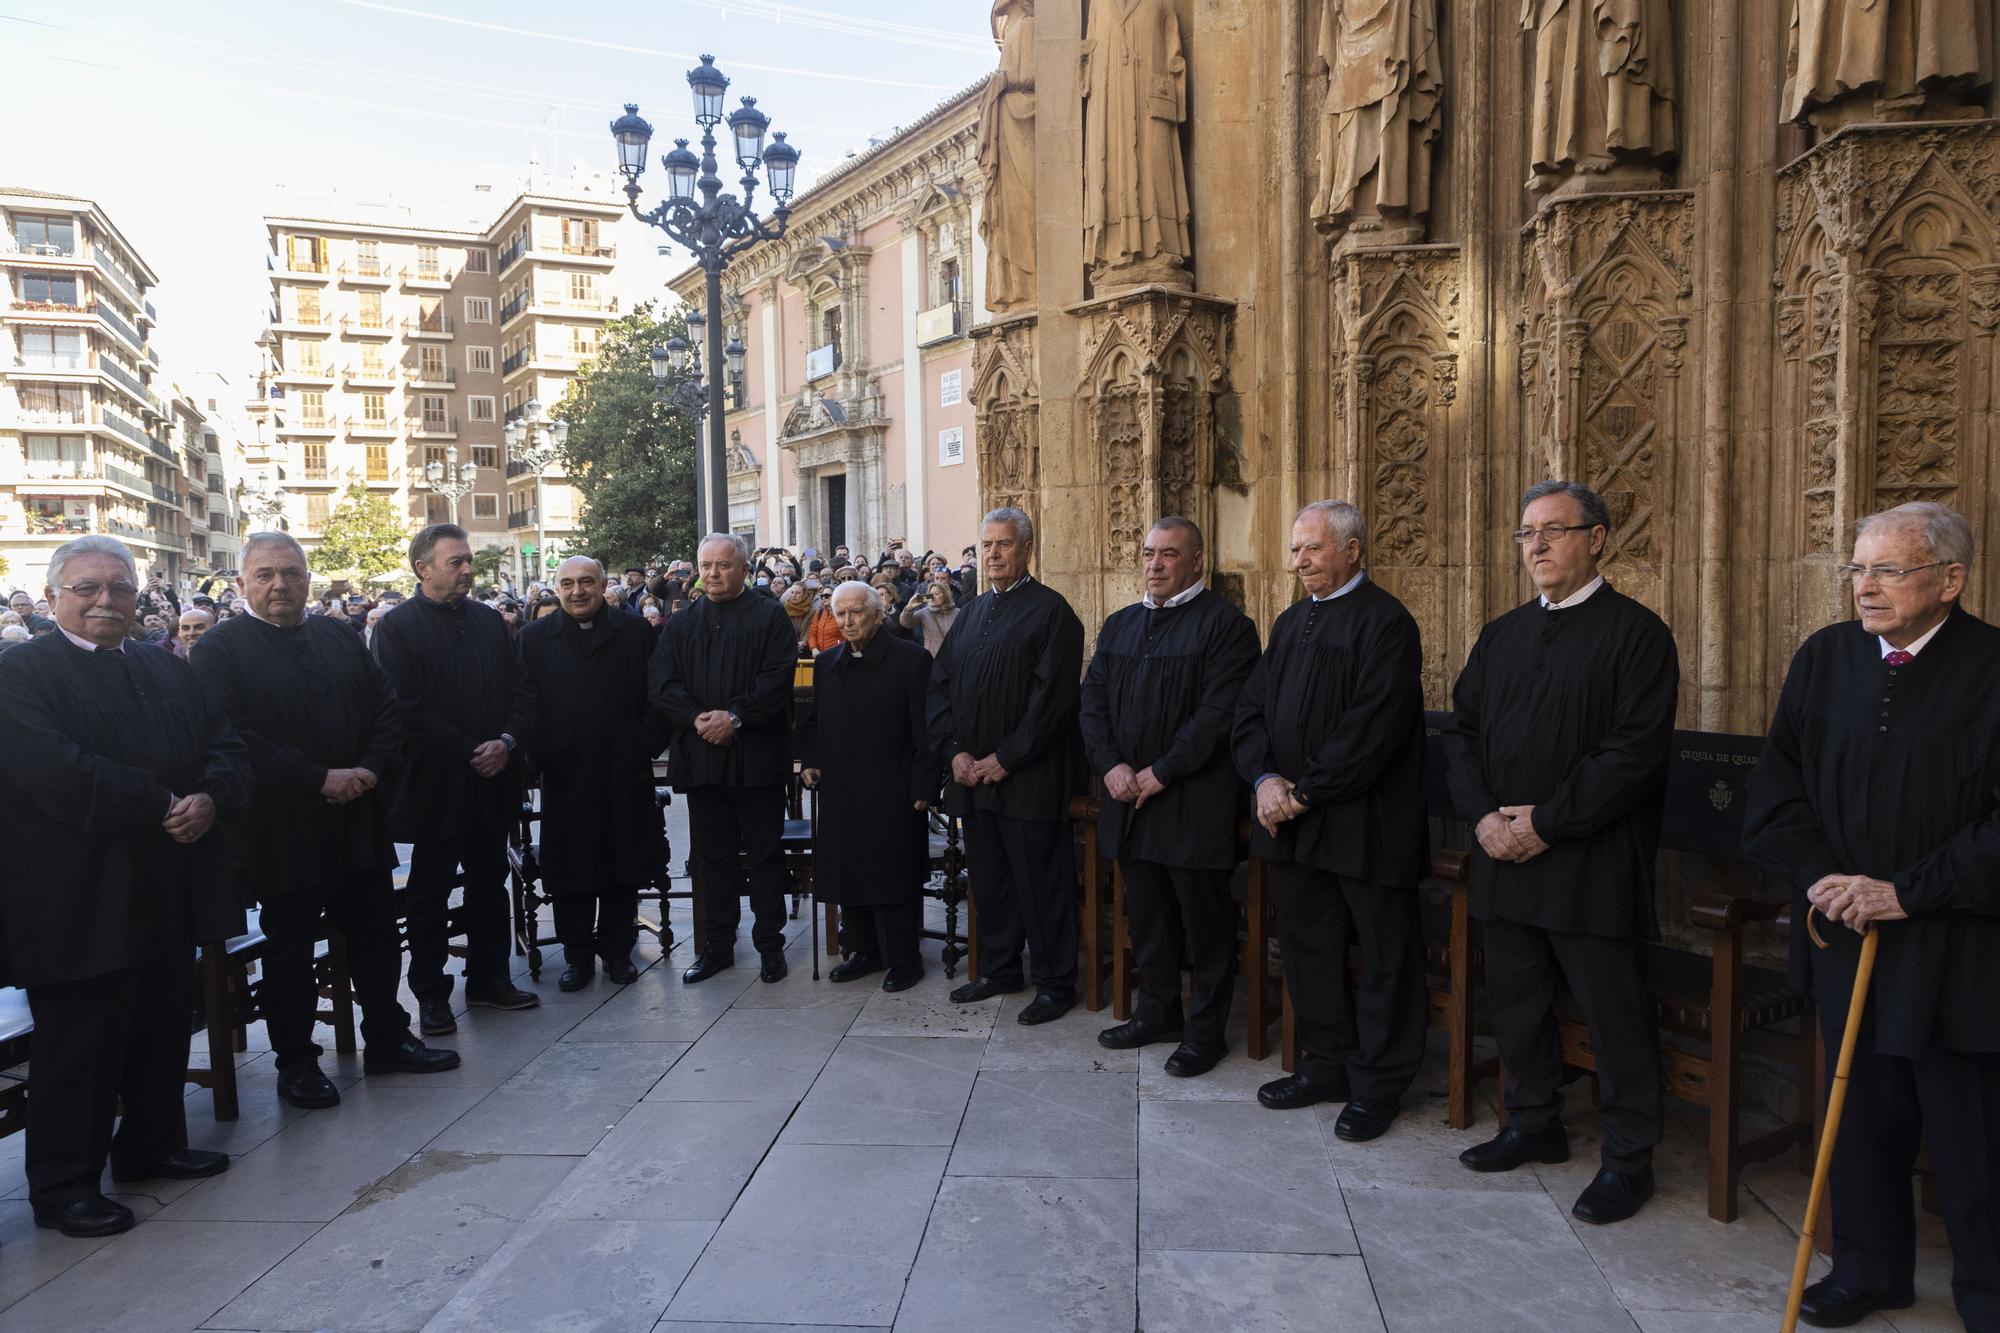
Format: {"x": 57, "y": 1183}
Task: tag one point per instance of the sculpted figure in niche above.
{"x": 1854, "y": 60}
{"x": 1135, "y": 201}
{"x": 1602, "y": 100}
{"x": 1379, "y": 119}
{"x": 1007, "y": 160}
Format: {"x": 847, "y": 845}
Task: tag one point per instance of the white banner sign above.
{"x": 951, "y": 445}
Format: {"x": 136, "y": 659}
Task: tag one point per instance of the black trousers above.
{"x": 360, "y": 906}
{"x": 1169, "y": 905}
{"x": 1377, "y": 1037}
{"x": 1525, "y": 965}
{"x": 1023, "y": 880}
{"x": 1948, "y": 1099}
{"x": 433, "y": 863}
{"x": 597, "y": 925}
{"x": 118, "y": 1037}
{"x": 736, "y": 832}
{"x": 887, "y": 931}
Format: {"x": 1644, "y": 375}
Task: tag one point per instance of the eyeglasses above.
{"x": 1526, "y": 536}
{"x": 1887, "y": 575}
{"x": 89, "y": 589}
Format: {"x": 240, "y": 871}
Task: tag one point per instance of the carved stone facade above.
{"x": 1006, "y": 394}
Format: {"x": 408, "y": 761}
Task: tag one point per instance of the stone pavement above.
{"x": 736, "y": 1156}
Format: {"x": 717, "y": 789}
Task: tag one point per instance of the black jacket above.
{"x": 737, "y": 656}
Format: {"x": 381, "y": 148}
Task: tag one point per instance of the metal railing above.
{"x": 510, "y": 364}
{"x": 512, "y": 307}
{"x": 53, "y": 416}
{"x": 365, "y": 324}
{"x": 430, "y": 375}
{"x": 521, "y": 518}
{"x": 49, "y": 307}
{"x": 369, "y": 270}
{"x": 55, "y": 469}
{"x": 433, "y": 427}
{"x": 590, "y": 251}
{"x": 120, "y": 279}
{"x": 13, "y": 245}
{"x": 119, "y": 325}
{"x": 510, "y": 255}
{"x": 128, "y": 430}
{"x": 432, "y": 324}
{"x": 129, "y": 480}
{"x": 50, "y": 525}
{"x": 368, "y": 426}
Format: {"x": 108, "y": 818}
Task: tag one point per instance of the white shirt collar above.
{"x": 1002, "y": 592}
{"x": 1577, "y": 598}
{"x": 1346, "y": 587}
{"x": 1181, "y": 598}
{"x": 87, "y": 645}
{"x": 1912, "y": 650}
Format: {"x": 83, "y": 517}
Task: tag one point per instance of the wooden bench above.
{"x": 232, "y": 1000}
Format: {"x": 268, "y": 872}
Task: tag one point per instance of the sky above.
{"x": 188, "y": 122}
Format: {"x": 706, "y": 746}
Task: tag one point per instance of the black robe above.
{"x": 1161, "y": 693}
{"x": 1005, "y": 683}
{"x": 454, "y": 667}
{"x": 864, "y": 732}
{"x": 594, "y": 742}
{"x": 304, "y": 700}
{"x": 1571, "y": 712}
{"x": 93, "y": 746}
{"x": 1336, "y": 704}
{"x": 738, "y": 656}
{"x": 1894, "y": 773}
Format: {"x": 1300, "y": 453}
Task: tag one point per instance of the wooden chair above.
{"x": 232, "y": 1000}
{"x": 17, "y": 1030}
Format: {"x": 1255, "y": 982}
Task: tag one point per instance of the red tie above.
{"x": 1897, "y": 657}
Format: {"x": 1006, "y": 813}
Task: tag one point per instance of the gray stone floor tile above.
{"x": 160, "y": 1275}
{"x": 1420, "y": 1151}
{"x": 1234, "y": 1176}
{"x": 1202, "y": 1291}
{"x": 577, "y": 1277}
{"x": 562, "y": 1121}
{"x": 670, "y": 1161}
{"x": 611, "y": 1070}
{"x": 799, "y": 991}
{"x": 657, "y": 1007}
{"x": 1236, "y": 1079}
{"x": 841, "y": 1224}
{"x": 493, "y": 1046}
{"x": 1012, "y": 1255}
{"x": 755, "y": 1055}
{"x": 1050, "y": 1123}
{"x": 31, "y": 1256}
{"x": 1069, "y": 1043}
{"x": 925, "y": 1010}
{"x": 888, "y": 1090}
{"x": 707, "y": 1326}
{"x": 1712, "y": 1321}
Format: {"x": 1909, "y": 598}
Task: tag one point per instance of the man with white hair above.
{"x": 1877, "y": 799}
{"x": 115, "y": 753}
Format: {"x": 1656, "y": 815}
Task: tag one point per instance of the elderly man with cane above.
{"x": 1877, "y": 800}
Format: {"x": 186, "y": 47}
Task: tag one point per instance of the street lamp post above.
{"x": 716, "y": 228}
{"x": 265, "y": 500}
{"x": 452, "y": 479}
{"x": 536, "y": 444}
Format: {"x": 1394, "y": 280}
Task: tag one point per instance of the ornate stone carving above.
{"x": 1006, "y": 399}
{"x": 1883, "y": 60}
{"x": 1007, "y": 161}
{"x": 1379, "y": 117}
{"x": 1135, "y": 199}
{"x": 1603, "y": 92}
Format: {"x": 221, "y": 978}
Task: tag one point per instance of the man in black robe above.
{"x": 1877, "y": 800}
{"x": 1329, "y": 734}
{"x": 721, "y": 677}
{"x": 467, "y": 703}
{"x": 323, "y": 727}
{"x": 1157, "y": 705}
{"x": 1558, "y": 754}
{"x": 122, "y": 765}
{"x": 594, "y": 741}
{"x": 865, "y": 749}
{"x": 1003, "y": 701}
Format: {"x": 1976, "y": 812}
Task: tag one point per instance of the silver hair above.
{"x": 1024, "y": 527}
{"x": 1181, "y": 523}
{"x": 15, "y": 633}
{"x": 1587, "y": 500}
{"x": 874, "y": 597}
{"x": 1946, "y": 535}
{"x": 91, "y": 545}
{"x": 257, "y": 539}
{"x": 1343, "y": 518}
{"x": 736, "y": 539}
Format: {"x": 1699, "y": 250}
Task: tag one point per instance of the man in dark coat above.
{"x": 1003, "y": 701}
{"x": 1564, "y": 718}
{"x": 323, "y": 727}
{"x": 722, "y": 678}
{"x": 1330, "y": 735}
{"x": 1877, "y": 799}
{"x": 1157, "y": 705}
{"x": 594, "y": 741}
{"x": 122, "y": 765}
{"x": 467, "y": 702}
{"x": 865, "y": 750}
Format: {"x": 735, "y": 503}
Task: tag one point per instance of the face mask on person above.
{"x": 763, "y": 582}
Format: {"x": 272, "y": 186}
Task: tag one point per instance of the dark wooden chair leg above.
{"x": 1093, "y": 925}
{"x": 971, "y": 934}
{"x": 340, "y": 990}
{"x": 1256, "y": 965}
{"x": 1459, "y": 1020}
{"x": 831, "y": 911}
{"x": 1725, "y": 1162}
{"x": 1121, "y": 948}
{"x": 221, "y": 1029}
{"x": 1288, "y": 1058}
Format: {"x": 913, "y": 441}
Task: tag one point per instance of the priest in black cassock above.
{"x": 1157, "y": 705}
{"x": 323, "y": 728}
{"x": 1877, "y": 800}
{"x": 1330, "y": 736}
{"x": 864, "y": 747}
{"x": 721, "y": 677}
{"x": 121, "y": 765}
{"x": 594, "y": 741}
{"x": 1564, "y": 719}
{"x": 467, "y": 704}
{"x": 1002, "y": 710}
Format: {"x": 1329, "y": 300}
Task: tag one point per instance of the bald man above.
{"x": 194, "y": 623}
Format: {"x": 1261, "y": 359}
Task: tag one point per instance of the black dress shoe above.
{"x": 408, "y": 1056}
{"x": 434, "y": 1017}
{"x": 1296, "y": 1090}
{"x": 1511, "y": 1148}
{"x": 304, "y": 1086}
{"x": 180, "y": 1164}
{"x": 1828, "y": 1304}
{"x": 1361, "y": 1121}
{"x": 972, "y": 992}
{"x": 902, "y": 976}
{"x": 622, "y": 971}
{"x": 855, "y": 968}
{"x": 1613, "y": 1196}
{"x": 706, "y": 964}
{"x": 774, "y": 967}
{"x": 94, "y": 1216}
{"x": 500, "y": 995}
{"x": 1044, "y": 1008}
{"x": 575, "y": 977}
{"x": 1192, "y": 1059}
{"x": 1132, "y": 1034}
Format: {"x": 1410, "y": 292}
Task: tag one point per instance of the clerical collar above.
{"x": 87, "y": 645}
{"x": 1577, "y": 598}
{"x": 1181, "y": 598}
{"x": 1359, "y": 576}
{"x": 251, "y": 611}
{"x": 1887, "y": 647}
{"x": 1002, "y": 592}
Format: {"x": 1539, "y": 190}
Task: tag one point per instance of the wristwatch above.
{"x": 735, "y": 722}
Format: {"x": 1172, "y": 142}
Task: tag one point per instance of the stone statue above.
{"x": 1379, "y": 118}
{"x": 1602, "y": 100}
{"x": 1135, "y": 200}
{"x": 1853, "y": 60}
{"x": 1007, "y": 159}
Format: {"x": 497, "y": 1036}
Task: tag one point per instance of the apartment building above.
{"x": 217, "y": 482}
{"x": 393, "y": 346}
{"x": 85, "y": 438}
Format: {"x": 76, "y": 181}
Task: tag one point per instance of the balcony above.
{"x": 940, "y": 323}
{"x": 146, "y": 312}
{"x": 302, "y": 423}
{"x": 369, "y": 375}
{"x": 306, "y": 270}
{"x": 301, "y": 323}
{"x": 305, "y": 375}
{"x": 11, "y": 247}
{"x": 62, "y": 310}
{"x": 430, "y": 377}
{"x": 366, "y": 273}
{"x": 168, "y": 541}
{"x": 129, "y": 431}
{"x": 53, "y": 416}
{"x": 434, "y": 428}
{"x": 367, "y": 426}
{"x": 521, "y": 518}
{"x": 510, "y": 256}
{"x": 822, "y": 361}
{"x": 366, "y": 326}
{"x": 131, "y": 481}
{"x": 130, "y": 531}
{"x": 49, "y": 525}
{"x": 431, "y": 326}
{"x": 428, "y": 278}
{"x": 54, "y": 469}
{"x": 111, "y": 269}
{"x": 119, "y": 325}
{"x": 512, "y": 307}
{"x": 590, "y": 251}
{"x": 214, "y": 483}
{"x": 510, "y": 364}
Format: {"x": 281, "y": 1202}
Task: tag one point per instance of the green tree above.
{"x": 364, "y": 536}
{"x": 629, "y": 455}
{"x": 486, "y": 563}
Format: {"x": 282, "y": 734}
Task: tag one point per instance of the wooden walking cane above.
{"x": 1836, "y": 1099}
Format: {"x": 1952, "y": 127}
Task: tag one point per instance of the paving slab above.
{"x": 159, "y": 1275}
{"x": 1201, "y": 1291}
{"x": 1069, "y": 1043}
{"x": 577, "y": 1277}
{"x": 1050, "y": 1123}
{"x": 1230, "y": 1176}
{"x": 614, "y": 1070}
{"x": 888, "y": 1090}
{"x": 755, "y": 1055}
{"x": 31, "y": 1256}
{"x": 559, "y": 1121}
{"x": 670, "y": 1161}
{"x": 493, "y": 1046}
{"x": 926, "y": 1010}
{"x": 657, "y": 1007}
{"x": 1420, "y": 1151}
